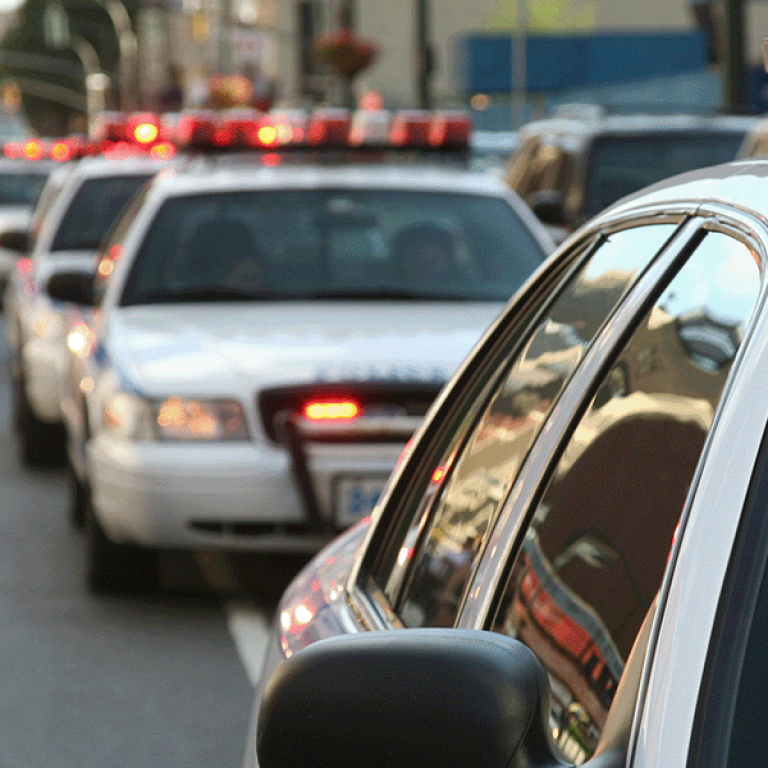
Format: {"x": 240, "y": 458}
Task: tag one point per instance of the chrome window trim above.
{"x": 488, "y": 577}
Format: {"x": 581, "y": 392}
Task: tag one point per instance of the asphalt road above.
{"x": 164, "y": 681}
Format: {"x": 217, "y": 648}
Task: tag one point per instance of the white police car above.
{"x": 270, "y": 334}
{"x": 77, "y": 207}
{"x": 569, "y": 564}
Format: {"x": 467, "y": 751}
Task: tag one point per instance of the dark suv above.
{"x": 570, "y": 168}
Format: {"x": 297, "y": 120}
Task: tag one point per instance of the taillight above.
{"x": 61, "y": 151}
{"x": 331, "y": 410}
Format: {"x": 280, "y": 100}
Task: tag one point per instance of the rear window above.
{"x": 333, "y": 244}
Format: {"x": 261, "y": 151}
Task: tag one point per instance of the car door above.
{"x": 551, "y": 513}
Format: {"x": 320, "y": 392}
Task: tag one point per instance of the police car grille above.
{"x": 379, "y": 399}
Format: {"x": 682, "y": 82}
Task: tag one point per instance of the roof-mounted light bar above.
{"x": 208, "y": 131}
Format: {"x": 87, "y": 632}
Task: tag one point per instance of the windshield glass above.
{"x": 332, "y": 244}
{"x": 93, "y": 209}
{"x": 620, "y": 165}
{"x": 21, "y": 188}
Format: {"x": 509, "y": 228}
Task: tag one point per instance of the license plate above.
{"x": 355, "y": 497}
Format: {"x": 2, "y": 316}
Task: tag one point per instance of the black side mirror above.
{"x": 410, "y": 698}
{"x": 74, "y": 287}
{"x": 18, "y": 240}
{"x": 549, "y": 207}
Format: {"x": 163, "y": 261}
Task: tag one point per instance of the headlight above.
{"x": 181, "y": 419}
{"x": 176, "y": 418}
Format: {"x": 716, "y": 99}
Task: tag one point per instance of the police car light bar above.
{"x": 208, "y": 131}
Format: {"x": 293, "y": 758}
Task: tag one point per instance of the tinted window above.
{"x": 594, "y": 555}
{"x": 487, "y": 465}
{"x": 93, "y": 209}
{"x": 332, "y": 244}
{"x": 620, "y": 165}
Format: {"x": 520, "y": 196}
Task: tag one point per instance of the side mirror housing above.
{"x": 19, "y": 240}
{"x": 73, "y": 287}
{"x": 549, "y": 207}
{"x": 407, "y": 698}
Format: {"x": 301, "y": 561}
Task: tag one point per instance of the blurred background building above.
{"x": 507, "y": 59}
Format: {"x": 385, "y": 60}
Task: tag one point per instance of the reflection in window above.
{"x": 489, "y": 463}
{"x": 595, "y": 552}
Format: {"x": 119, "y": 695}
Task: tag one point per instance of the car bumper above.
{"x": 236, "y": 495}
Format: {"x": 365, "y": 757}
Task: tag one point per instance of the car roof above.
{"x": 739, "y": 184}
{"x": 91, "y": 167}
{"x": 586, "y": 128}
{"x": 206, "y": 177}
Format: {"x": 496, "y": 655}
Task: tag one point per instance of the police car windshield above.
{"x": 93, "y": 209}
{"x": 21, "y": 188}
{"x": 332, "y": 244}
{"x": 622, "y": 164}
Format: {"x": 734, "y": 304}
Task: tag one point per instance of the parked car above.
{"x": 568, "y": 565}
{"x": 268, "y": 338}
{"x": 570, "y": 167}
{"x": 77, "y": 207}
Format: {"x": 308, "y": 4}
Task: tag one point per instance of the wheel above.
{"x": 116, "y": 569}
{"x": 78, "y": 499}
{"x": 41, "y": 444}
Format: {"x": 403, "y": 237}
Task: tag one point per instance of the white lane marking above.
{"x": 250, "y": 631}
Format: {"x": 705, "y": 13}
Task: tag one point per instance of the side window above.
{"x": 595, "y": 552}
{"x": 468, "y": 489}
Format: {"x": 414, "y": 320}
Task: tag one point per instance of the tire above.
{"x": 41, "y": 444}
{"x": 116, "y": 569}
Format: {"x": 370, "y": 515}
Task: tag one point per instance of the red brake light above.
{"x": 331, "y": 410}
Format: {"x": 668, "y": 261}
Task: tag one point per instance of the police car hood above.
{"x": 223, "y": 350}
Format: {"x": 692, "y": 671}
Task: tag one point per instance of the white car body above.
{"x": 36, "y": 326}
{"x": 240, "y": 493}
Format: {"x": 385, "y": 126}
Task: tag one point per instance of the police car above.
{"x": 24, "y": 170}
{"x": 269, "y": 332}
{"x": 77, "y": 206}
{"x": 569, "y": 564}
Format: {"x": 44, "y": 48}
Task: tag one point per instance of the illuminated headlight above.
{"x": 181, "y": 419}
{"x": 176, "y": 418}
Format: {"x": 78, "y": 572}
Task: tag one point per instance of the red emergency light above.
{"x": 329, "y": 128}
{"x": 450, "y": 129}
{"x": 410, "y": 128}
